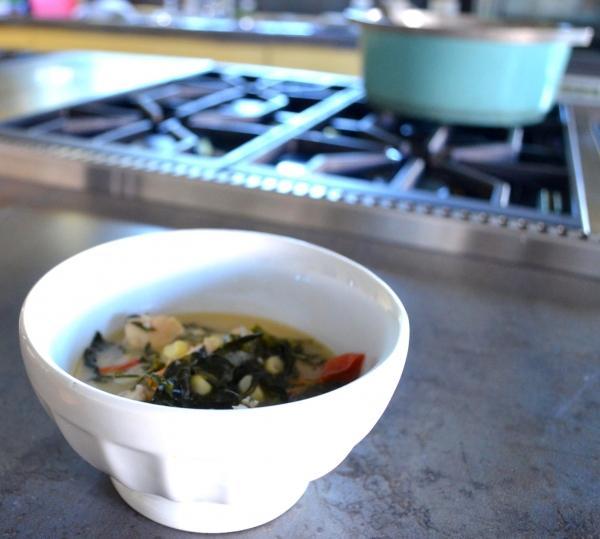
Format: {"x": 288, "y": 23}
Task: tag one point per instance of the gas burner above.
{"x": 206, "y": 116}
{"x": 499, "y": 170}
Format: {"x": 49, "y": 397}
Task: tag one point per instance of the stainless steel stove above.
{"x": 522, "y": 173}
{"x": 306, "y": 147}
{"x": 212, "y": 119}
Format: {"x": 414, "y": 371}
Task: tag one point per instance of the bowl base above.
{"x": 209, "y": 517}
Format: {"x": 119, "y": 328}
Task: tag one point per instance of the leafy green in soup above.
{"x": 213, "y": 360}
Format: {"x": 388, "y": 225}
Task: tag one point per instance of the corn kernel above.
{"x": 175, "y": 350}
{"x": 245, "y": 383}
{"x": 212, "y": 343}
{"x": 200, "y": 385}
{"x": 258, "y": 394}
{"x": 274, "y": 365}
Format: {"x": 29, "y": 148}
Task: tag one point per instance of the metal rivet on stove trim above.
{"x": 125, "y": 162}
{"x": 369, "y": 200}
{"x": 460, "y": 215}
{"x": 406, "y": 205}
{"x": 351, "y": 198}
{"x": 181, "y": 169}
{"x": 284, "y": 186}
{"x": 194, "y": 172}
{"x": 113, "y": 160}
{"x": 153, "y": 165}
{"x": 223, "y": 176}
{"x": 138, "y": 163}
{"x": 334, "y": 194}
{"x": 238, "y": 178}
{"x": 208, "y": 174}
{"x": 166, "y": 167}
{"x": 301, "y": 189}
{"x": 253, "y": 181}
{"x": 317, "y": 191}
{"x": 269, "y": 184}
{"x": 582, "y": 235}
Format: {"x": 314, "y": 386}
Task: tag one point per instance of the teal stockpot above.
{"x": 464, "y": 70}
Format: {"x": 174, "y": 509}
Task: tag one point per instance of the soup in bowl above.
{"x": 197, "y": 468}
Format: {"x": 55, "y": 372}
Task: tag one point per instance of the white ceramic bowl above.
{"x": 213, "y": 470}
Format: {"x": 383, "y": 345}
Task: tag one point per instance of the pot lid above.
{"x": 420, "y": 21}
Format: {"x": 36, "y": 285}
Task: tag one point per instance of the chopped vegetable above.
{"x": 212, "y": 343}
{"x": 157, "y": 331}
{"x": 119, "y": 368}
{"x": 245, "y": 383}
{"x": 258, "y": 394}
{"x": 274, "y": 365}
{"x": 175, "y": 350}
{"x": 200, "y": 385}
{"x": 344, "y": 368}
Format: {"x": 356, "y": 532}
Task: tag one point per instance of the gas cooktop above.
{"x": 315, "y": 135}
{"x": 523, "y": 172}
{"x": 205, "y": 117}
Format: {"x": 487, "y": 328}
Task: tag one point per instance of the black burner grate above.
{"x": 207, "y": 115}
{"x": 476, "y": 168}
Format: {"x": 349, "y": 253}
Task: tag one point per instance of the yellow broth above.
{"x": 218, "y": 323}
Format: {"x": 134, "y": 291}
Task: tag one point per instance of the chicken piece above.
{"x": 158, "y": 331}
{"x": 174, "y": 351}
{"x": 212, "y": 343}
{"x": 241, "y": 331}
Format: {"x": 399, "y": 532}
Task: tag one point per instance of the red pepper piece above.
{"x": 119, "y": 368}
{"x": 343, "y": 368}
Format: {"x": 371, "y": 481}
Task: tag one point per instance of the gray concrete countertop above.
{"x": 493, "y": 431}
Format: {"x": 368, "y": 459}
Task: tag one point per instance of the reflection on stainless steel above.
{"x": 305, "y": 148}
{"x": 37, "y": 83}
{"x": 438, "y": 140}
{"x": 469, "y": 26}
{"x": 586, "y": 164}
{"x": 491, "y": 151}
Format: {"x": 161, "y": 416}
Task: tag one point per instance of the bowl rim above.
{"x": 88, "y": 391}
